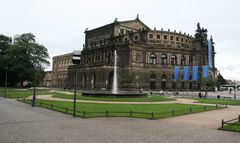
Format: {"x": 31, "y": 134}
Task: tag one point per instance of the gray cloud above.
{"x": 59, "y": 24}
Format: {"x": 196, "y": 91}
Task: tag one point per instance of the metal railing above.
{"x": 231, "y": 122}
{"x": 130, "y": 113}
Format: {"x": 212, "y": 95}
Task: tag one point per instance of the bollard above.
{"x": 222, "y": 123}
{"x": 216, "y": 106}
{"x": 226, "y": 106}
{"x": 107, "y": 113}
{"x": 51, "y": 106}
{"x": 84, "y": 113}
{"x": 238, "y": 118}
{"x": 205, "y": 108}
{"x": 172, "y": 112}
{"x": 130, "y": 113}
{"x": 190, "y": 110}
{"x": 66, "y": 110}
{"x": 152, "y": 115}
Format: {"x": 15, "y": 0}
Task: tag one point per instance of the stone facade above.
{"x": 60, "y": 70}
{"x": 47, "y": 80}
{"x": 146, "y": 57}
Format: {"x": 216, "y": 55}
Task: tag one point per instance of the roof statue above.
{"x": 137, "y": 16}
{"x": 200, "y": 32}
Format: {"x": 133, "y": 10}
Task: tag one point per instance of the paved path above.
{"x": 21, "y": 123}
{"x": 178, "y": 100}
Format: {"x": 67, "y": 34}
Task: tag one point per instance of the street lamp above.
{"x": 6, "y": 69}
{"x": 76, "y": 60}
{"x": 34, "y": 90}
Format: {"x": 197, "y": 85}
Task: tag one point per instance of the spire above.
{"x": 137, "y": 18}
{"x": 211, "y": 39}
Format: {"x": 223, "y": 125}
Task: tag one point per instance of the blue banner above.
{"x": 185, "y": 73}
{"x": 205, "y": 71}
{"x": 194, "y": 73}
{"x": 176, "y": 72}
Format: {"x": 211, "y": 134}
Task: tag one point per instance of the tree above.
{"x": 31, "y": 56}
{"x": 5, "y": 44}
{"x": 220, "y": 81}
{"x": 24, "y": 57}
{"x": 128, "y": 78}
{"x": 210, "y": 84}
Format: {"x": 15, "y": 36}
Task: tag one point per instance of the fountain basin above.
{"x": 128, "y": 94}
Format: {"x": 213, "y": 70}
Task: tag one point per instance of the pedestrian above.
{"x": 230, "y": 91}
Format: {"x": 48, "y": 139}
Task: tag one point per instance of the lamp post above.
{"x": 34, "y": 90}
{"x": 6, "y": 69}
{"x": 76, "y": 60}
{"x": 235, "y": 91}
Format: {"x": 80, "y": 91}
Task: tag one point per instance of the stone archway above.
{"x": 163, "y": 82}
{"x": 110, "y": 80}
{"x": 93, "y": 81}
{"x": 152, "y": 81}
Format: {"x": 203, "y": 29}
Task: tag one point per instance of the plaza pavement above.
{"x": 21, "y": 123}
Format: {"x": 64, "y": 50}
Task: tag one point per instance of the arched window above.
{"x": 153, "y": 59}
{"x": 183, "y": 60}
{"x": 153, "y": 77}
{"x": 163, "y": 77}
{"x": 164, "y": 59}
{"x": 109, "y": 57}
{"x": 174, "y": 60}
{"x": 190, "y": 61}
{"x": 98, "y": 57}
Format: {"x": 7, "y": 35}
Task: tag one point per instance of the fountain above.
{"x": 114, "y": 92}
{"x": 115, "y": 78}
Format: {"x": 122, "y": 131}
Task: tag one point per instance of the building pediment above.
{"x": 134, "y": 24}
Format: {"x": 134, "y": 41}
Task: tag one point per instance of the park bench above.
{"x": 225, "y": 97}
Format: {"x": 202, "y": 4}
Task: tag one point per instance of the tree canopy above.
{"x": 220, "y": 80}
{"x": 22, "y": 56}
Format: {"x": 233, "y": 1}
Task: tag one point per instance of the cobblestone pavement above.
{"x": 21, "y": 123}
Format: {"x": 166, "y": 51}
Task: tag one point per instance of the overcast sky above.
{"x": 60, "y": 24}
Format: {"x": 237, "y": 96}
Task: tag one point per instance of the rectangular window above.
{"x": 177, "y": 39}
{"x": 121, "y": 31}
{"x": 182, "y": 39}
{"x": 171, "y": 37}
{"x": 186, "y": 41}
{"x": 158, "y": 36}
{"x": 151, "y": 36}
{"x": 136, "y": 37}
{"x": 165, "y": 37}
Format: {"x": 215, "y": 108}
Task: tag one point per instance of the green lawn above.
{"x": 126, "y": 99}
{"x": 21, "y": 92}
{"x": 219, "y": 101}
{"x": 89, "y": 110}
{"x": 234, "y": 128}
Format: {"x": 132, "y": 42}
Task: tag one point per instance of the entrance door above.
{"x": 152, "y": 84}
{"x": 153, "y": 81}
{"x": 163, "y": 82}
{"x": 110, "y": 80}
{"x": 163, "y": 85}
